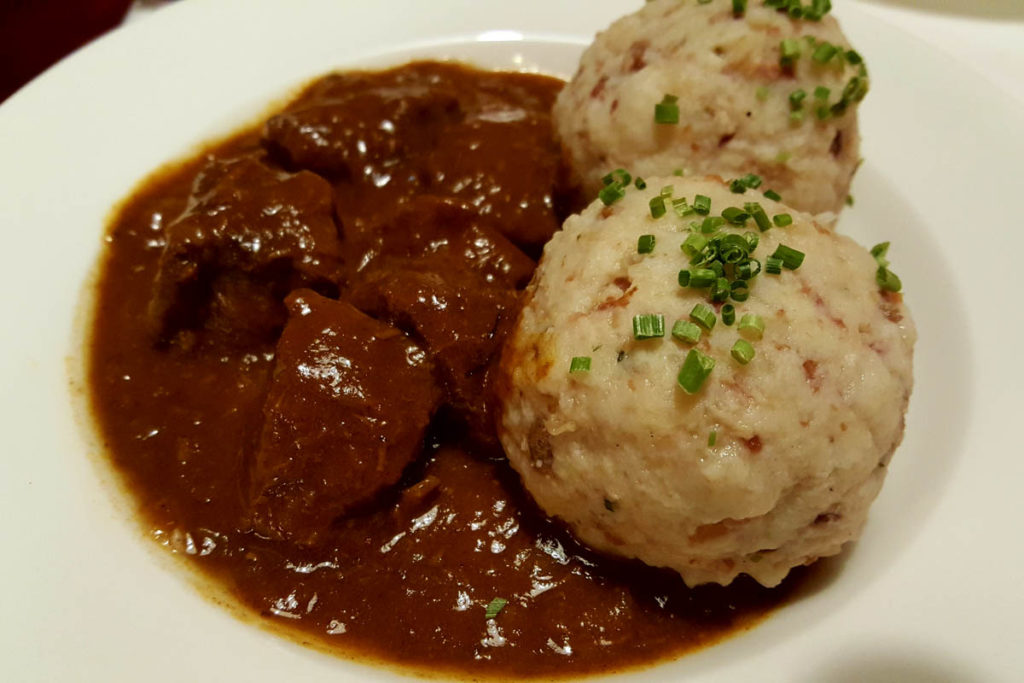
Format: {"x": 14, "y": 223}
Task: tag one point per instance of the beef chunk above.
{"x": 349, "y": 126}
{"x": 249, "y": 235}
{"x": 461, "y": 323}
{"x": 439, "y": 234}
{"x": 330, "y": 442}
{"x": 507, "y": 169}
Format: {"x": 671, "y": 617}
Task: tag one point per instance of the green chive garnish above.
{"x": 695, "y": 370}
{"x": 739, "y": 7}
{"x": 739, "y": 290}
{"x": 580, "y": 364}
{"x": 773, "y": 195}
{"x": 610, "y": 194}
{"x": 790, "y": 50}
{"x": 685, "y": 331}
{"x": 680, "y": 207}
{"x": 702, "y": 204}
{"x": 824, "y": 52}
{"x": 888, "y": 280}
{"x": 703, "y": 316}
{"x": 796, "y": 98}
{"x": 702, "y": 277}
{"x": 720, "y": 290}
{"x": 791, "y": 258}
{"x": 737, "y": 186}
{"x": 648, "y": 326}
{"x": 645, "y": 244}
{"x": 879, "y": 251}
{"x": 712, "y": 438}
{"x": 711, "y": 223}
{"x": 821, "y": 93}
{"x": 751, "y": 326}
{"x": 735, "y": 216}
{"x": 619, "y": 176}
{"x": 657, "y": 205}
{"x": 728, "y": 314}
{"x": 782, "y": 220}
{"x": 667, "y": 111}
{"x": 752, "y": 180}
{"x": 640, "y": 183}
{"x": 759, "y": 216}
{"x": 772, "y": 265}
{"x": 494, "y": 607}
{"x": 693, "y": 245}
{"x": 742, "y": 351}
{"x": 684, "y": 278}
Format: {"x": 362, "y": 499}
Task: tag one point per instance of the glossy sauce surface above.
{"x": 442, "y": 184}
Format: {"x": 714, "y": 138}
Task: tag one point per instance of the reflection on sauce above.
{"x": 444, "y": 181}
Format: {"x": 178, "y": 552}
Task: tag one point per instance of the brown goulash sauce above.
{"x": 290, "y": 365}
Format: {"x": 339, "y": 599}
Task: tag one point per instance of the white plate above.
{"x": 930, "y": 593}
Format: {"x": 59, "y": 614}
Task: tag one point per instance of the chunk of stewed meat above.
{"x": 504, "y": 163}
{"x": 461, "y": 323}
{"x": 349, "y": 127}
{"x": 439, "y": 234}
{"x": 248, "y": 236}
{"x": 345, "y": 414}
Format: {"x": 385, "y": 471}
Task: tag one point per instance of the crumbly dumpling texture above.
{"x": 803, "y": 433}
{"x": 734, "y": 107}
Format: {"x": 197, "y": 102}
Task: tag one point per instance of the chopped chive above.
{"x": 739, "y": 290}
{"x": 821, "y": 93}
{"x": 678, "y": 172}
{"x": 640, "y": 183}
{"x": 752, "y": 180}
{"x": 693, "y": 244}
{"x": 728, "y": 314}
{"x": 739, "y": 7}
{"x": 667, "y": 111}
{"x": 703, "y": 316}
{"x": 717, "y": 269}
{"x": 685, "y": 331}
{"x": 619, "y": 176}
{"x": 759, "y": 216}
{"x": 720, "y": 290}
{"x": 753, "y": 239}
{"x": 748, "y": 269}
{"x": 796, "y": 117}
{"x": 684, "y": 278}
{"x": 711, "y": 223}
{"x": 737, "y": 186}
{"x": 610, "y": 194}
{"x": 782, "y": 220}
{"x": 494, "y": 607}
{"x": 667, "y": 191}
{"x": 645, "y": 244}
{"x": 680, "y": 207}
{"x": 853, "y": 58}
{"x": 790, "y": 51}
{"x": 796, "y": 98}
{"x": 735, "y": 216}
{"x": 580, "y": 364}
{"x": 712, "y": 438}
{"x": 657, "y": 205}
{"x": 879, "y": 251}
{"x": 702, "y": 277}
{"x": 742, "y": 351}
{"x": 773, "y": 195}
{"x": 648, "y": 326}
{"x": 702, "y": 204}
{"x": 751, "y": 326}
{"x": 849, "y": 200}
{"x": 824, "y": 52}
{"x": 773, "y": 265}
{"x": 888, "y": 280}
{"x": 791, "y": 258}
{"x": 823, "y": 112}
{"x": 695, "y": 371}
